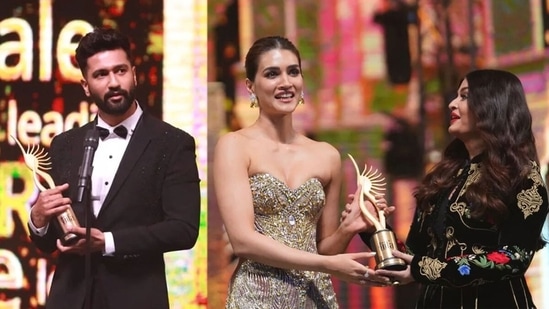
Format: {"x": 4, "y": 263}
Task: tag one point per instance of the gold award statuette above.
{"x": 38, "y": 162}
{"x": 383, "y": 240}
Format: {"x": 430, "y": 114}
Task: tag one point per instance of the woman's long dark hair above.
{"x": 498, "y": 105}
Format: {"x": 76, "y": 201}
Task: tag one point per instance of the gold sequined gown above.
{"x": 289, "y": 216}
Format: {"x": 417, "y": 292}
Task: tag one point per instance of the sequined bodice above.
{"x": 289, "y": 216}
{"x": 285, "y": 214}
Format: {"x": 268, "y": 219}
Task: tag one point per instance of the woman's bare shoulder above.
{"x": 232, "y": 151}
{"x": 323, "y": 152}
{"x": 230, "y": 144}
{"x": 234, "y": 138}
{"x": 321, "y": 146}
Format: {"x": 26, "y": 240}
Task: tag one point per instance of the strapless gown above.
{"x": 289, "y": 216}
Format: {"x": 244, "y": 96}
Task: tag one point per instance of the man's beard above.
{"x": 118, "y": 108}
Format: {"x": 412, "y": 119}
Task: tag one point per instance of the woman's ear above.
{"x": 250, "y": 86}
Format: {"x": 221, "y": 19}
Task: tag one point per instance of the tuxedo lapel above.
{"x": 140, "y": 138}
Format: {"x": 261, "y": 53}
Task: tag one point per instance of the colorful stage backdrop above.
{"x": 40, "y": 97}
{"x": 348, "y": 96}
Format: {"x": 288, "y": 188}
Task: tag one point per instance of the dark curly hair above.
{"x": 497, "y": 103}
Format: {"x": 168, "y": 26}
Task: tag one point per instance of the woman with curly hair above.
{"x": 480, "y": 211}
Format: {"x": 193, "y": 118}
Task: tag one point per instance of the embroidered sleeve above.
{"x": 517, "y": 242}
{"x": 472, "y": 269}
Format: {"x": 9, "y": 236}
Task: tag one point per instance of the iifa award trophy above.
{"x": 383, "y": 241}
{"x": 38, "y": 162}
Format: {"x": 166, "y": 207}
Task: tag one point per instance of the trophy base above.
{"x": 69, "y": 239}
{"x": 392, "y": 264}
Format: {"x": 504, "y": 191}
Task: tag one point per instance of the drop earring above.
{"x": 301, "y": 100}
{"x": 253, "y": 101}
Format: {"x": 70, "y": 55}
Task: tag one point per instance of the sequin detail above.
{"x": 289, "y": 216}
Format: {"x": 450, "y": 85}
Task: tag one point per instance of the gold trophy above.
{"x": 38, "y": 162}
{"x": 383, "y": 240}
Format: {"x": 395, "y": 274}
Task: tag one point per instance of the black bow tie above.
{"x": 120, "y": 131}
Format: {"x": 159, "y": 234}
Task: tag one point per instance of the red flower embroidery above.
{"x": 498, "y": 257}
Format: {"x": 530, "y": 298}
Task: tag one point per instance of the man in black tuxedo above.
{"x": 145, "y": 196}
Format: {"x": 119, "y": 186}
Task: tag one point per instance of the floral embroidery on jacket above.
{"x": 431, "y": 268}
{"x": 529, "y": 201}
{"x": 464, "y": 269}
{"x": 496, "y": 259}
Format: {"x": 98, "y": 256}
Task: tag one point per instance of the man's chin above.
{"x": 117, "y": 108}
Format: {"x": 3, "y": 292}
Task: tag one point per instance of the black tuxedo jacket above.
{"x": 153, "y": 207}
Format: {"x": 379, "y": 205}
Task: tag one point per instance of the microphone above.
{"x": 84, "y": 174}
{"x": 67, "y": 219}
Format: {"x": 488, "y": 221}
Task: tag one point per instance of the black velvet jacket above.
{"x": 462, "y": 262}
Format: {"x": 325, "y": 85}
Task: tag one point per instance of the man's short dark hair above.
{"x": 100, "y": 39}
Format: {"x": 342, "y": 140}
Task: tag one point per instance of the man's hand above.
{"x": 97, "y": 241}
{"x": 49, "y": 204}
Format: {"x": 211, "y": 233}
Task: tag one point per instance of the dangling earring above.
{"x": 301, "y": 99}
{"x": 253, "y": 101}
